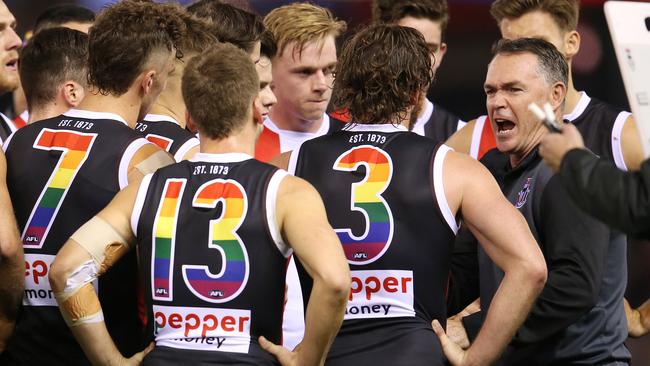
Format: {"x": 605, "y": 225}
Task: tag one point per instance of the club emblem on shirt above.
{"x": 522, "y": 196}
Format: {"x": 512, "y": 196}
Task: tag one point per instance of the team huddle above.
{"x": 180, "y": 190}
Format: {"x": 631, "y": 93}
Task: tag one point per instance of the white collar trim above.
{"x": 82, "y": 113}
{"x": 221, "y": 158}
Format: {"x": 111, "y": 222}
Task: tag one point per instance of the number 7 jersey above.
{"x": 212, "y": 259}
{"x": 61, "y": 172}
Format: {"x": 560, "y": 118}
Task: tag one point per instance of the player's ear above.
{"x": 571, "y": 44}
{"x": 147, "y": 81}
{"x": 73, "y": 92}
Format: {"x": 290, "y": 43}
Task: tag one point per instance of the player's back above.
{"x": 167, "y": 133}
{"x": 212, "y": 260}
{"x": 60, "y": 173}
{"x": 383, "y": 192}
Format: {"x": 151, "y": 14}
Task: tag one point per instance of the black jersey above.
{"x": 212, "y": 260}
{"x": 60, "y": 173}
{"x": 7, "y": 127}
{"x": 600, "y": 125}
{"x": 167, "y": 133}
{"x": 437, "y": 123}
{"x": 383, "y": 192}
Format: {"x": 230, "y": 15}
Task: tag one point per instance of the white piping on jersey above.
{"x": 10, "y": 123}
{"x": 617, "y": 147}
{"x": 160, "y": 117}
{"x": 290, "y": 140}
{"x": 460, "y": 124}
{"x": 423, "y": 118}
{"x": 5, "y": 144}
{"x": 271, "y": 220}
{"x": 139, "y": 203}
{"x": 384, "y": 127}
{"x": 187, "y": 146}
{"x": 82, "y": 113}
{"x": 477, "y": 132}
{"x": 439, "y": 187}
{"x": 293, "y": 161}
{"x": 583, "y": 102}
{"x": 24, "y": 116}
{"x": 233, "y": 157}
{"x": 129, "y": 152}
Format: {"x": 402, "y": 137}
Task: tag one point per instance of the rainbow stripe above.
{"x": 164, "y": 239}
{"x": 232, "y": 278}
{"x": 75, "y": 148}
{"x": 366, "y": 197}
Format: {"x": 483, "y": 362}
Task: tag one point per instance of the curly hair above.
{"x": 123, "y": 39}
{"x": 380, "y": 72}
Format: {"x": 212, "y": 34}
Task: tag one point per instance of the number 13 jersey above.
{"x": 212, "y": 259}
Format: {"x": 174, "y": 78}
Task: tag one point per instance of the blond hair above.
{"x": 564, "y": 12}
{"x": 301, "y": 23}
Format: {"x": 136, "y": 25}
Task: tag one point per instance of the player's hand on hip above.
{"x": 456, "y": 332}
{"x": 284, "y": 356}
{"x": 137, "y": 358}
{"x": 455, "y": 355}
{"x": 554, "y": 146}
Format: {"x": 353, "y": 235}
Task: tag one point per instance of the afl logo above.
{"x": 522, "y": 196}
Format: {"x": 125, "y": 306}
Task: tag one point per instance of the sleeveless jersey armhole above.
{"x": 617, "y": 144}
{"x": 130, "y": 150}
{"x": 271, "y": 199}
{"x": 139, "y": 203}
{"x": 439, "y": 188}
{"x": 475, "y": 144}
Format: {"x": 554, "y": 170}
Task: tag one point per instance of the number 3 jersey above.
{"x": 61, "y": 172}
{"x": 384, "y": 196}
{"x": 212, "y": 259}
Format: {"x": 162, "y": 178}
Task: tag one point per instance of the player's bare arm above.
{"x": 11, "y": 261}
{"x": 146, "y": 160}
{"x": 631, "y": 144}
{"x": 303, "y": 222}
{"x": 470, "y": 189}
{"x": 461, "y": 140}
{"x": 92, "y": 250}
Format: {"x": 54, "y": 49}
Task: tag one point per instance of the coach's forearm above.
{"x": 508, "y": 310}
{"x": 323, "y": 319}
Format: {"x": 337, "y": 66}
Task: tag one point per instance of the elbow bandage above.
{"x": 155, "y": 161}
{"x": 78, "y": 301}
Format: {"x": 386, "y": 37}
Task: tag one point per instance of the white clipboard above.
{"x": 629, "y": 26}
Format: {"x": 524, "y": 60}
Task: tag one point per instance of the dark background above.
{"x": 458, "y": 85}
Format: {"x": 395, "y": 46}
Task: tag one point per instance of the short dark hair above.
{"x": 434, "y": 10}
{"x": 268, "y": 46}
{"x": 550, "y": 62}
{"x": 51, "y": 57}
{"x": 219, "y": 87}
{"x": 565, "y": 13}
{"x": 230, "y": 24}
{"x": 57, "y": 15}
{"x": 198, "y": 36}
{"x": 380, "y": 69}
{"x": 123, "y": 39}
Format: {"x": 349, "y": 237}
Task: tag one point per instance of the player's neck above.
{"x": 572, "y": 95}
{"x": 289, "y": 121}
{"x": 124, "y": 105}
{"x": 241, "y": 142}
{"x": 49, "y": 110}
{"x": 166, "y": 110}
